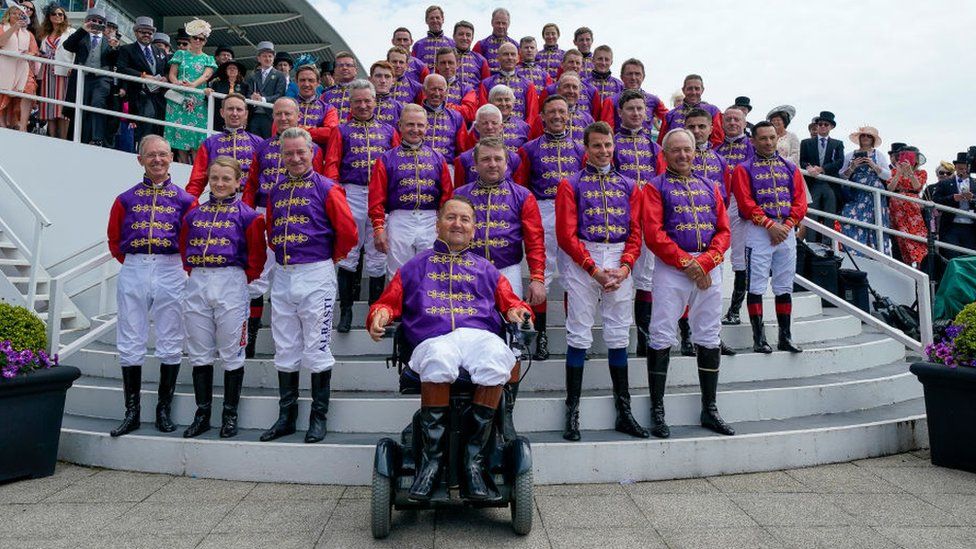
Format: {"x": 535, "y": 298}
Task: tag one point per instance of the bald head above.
{"x": 435, "y": 90}
{"x": 507, "y": 57}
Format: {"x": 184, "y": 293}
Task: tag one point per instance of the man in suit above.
{"x": 957, "y": 192}
{"x": 822, "y": 155}
{"x": 91, "y": 48}
{"x": 142, "y": 58}
{"x": 268, "y": 85}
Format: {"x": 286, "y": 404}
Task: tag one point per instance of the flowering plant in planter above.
{"x": 13, "y": 362}
{"x": 22, "y": 342}
{"x": 957, "y": 346}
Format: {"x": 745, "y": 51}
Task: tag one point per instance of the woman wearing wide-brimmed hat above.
{"x": 908, "y": 179}
{"x": 192, "y": 68}
{"x": 788, "y": 145}
{"x": 867, "y": 165}
{"x": 229, "y": 78}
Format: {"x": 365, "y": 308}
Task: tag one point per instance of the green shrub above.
{"x": 966, "y": 340}
{"x": 22, "y": 327}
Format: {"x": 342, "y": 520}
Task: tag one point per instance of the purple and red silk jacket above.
{"x": 224, "y": 233}
{"x": 546, "y": 161}
{"x": 426, "y": 48}
{"x": 238, "y": 144}
{"x": 146, "y": 219}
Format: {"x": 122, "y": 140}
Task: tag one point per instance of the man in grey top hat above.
{"x": 268, "y": 85}
{"x": 142, "y": 58}
{"x": 161, "y": 41}
{"x": 91, "y": 48}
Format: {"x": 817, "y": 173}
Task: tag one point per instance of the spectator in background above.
{"x": 91, "y": 48}
{"x": 931, "y": 216}
{"x": 868, "y": 166}
{"x": 677, "y": 98}
{"x": 908, "y": 179}
{"x": 822, "y": 155}
{"x": 191, "y": 68}
{"x": 956, "y": 192}
{"x": 266, "y": 85}
{"x": 284, "y": 63}
{"x": 788, "y": 144}
{"x": 140, "y": 58}
{"x": 223, "y": 54}
{"x": 161, "y": 40}
{"x": 16, "y": 74}
{"x": 53, "y": 31}
{"x": 812, "y": 128}
{"x": 182, "y": 40}
{"x": 229, "y": 78}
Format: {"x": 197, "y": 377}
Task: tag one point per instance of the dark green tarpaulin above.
{"x": 957, "y": 289}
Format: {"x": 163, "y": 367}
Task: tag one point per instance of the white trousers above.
{"x": 150, "y": 288}
{"x": 374, "y": 264}
{"x": 408, "y": 232}
{"x": 513, "y": 273}
{"x": 738, "y": 229}
{"x": 547, "y": 208}
{"x": 673, "y": 291}
{"x": 483, "y": 354}
{"x": 215, "y": 312}
{"x": 762, "y": 257}
{"x": 643, "y": 274}
{"x": 259, "y": 286}
{"x": 302, "y": 299}
{"x": 584, "y": 295}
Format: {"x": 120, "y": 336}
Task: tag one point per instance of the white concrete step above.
{"x": 370, "y": 373}
{"x": 602, "y": 456}
{"x": 383, "y": 412}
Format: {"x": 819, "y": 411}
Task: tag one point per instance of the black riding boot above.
{"x": 735, "y": 304}
{"x": 759, "y": 343}
{"x": 321, "y": 390}
{"x": 203, "y": 394}
{"x": 625, "y": 422}
{"x": 784, "y": 310}
{"x": 657, "y": 377}
{"x": 131, "y": 386}
{"x": 708, "y": 362}
{"x": 477, "y": 483}
{"x": 642, "y": 317}
{"x": 164, "y": 401}
{"x": 287, "y": 407}
{"x": 253, "y": 325}
{"x": 574, "y": 386}
{"x": 542, "y": 340}
{"x": 508, "y": 421}
{"x": 233, "y": 380}
{"x": 345, "y": 280}
{"x": 687, "y": 349}
{"x": 725, "y": 349}
{"x": 376, "y": 286}
{"x": 431, "y": 437}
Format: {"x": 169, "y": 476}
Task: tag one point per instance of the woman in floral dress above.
{"x": 191, "y": 68}
{"x": 868, "y": 166}
{"x": 906, "y": 216}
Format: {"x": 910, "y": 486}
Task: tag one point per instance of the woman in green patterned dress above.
{"x": 191, "y": 68}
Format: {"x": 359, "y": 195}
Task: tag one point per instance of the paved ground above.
{"x": 896, "y": 501}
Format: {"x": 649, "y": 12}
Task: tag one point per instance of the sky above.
{"x": 902, "y": 66}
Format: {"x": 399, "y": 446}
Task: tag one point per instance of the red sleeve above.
{"x": 748, "y": 209}
{"x": 543, "y": 94}
{"x": 377, "y": 195}
{"x": 656, "y": 239}
{"x": 718, "y": 133}
{"x": 424, "y": 72}
{"x": 322, "y": 134}
{"x": 607, "y": 112}
{"x": 461, "y": 141}
{"x": 505, "y": 298}
{"x": 485, "y": 70}
{"x": 632, "y": 248}
{"x": 713, "y": 256}
{"x": 333, "y": 156}
{"x": 798, "y": 209}
{"x": 257, "y": 248}
{"x": 395, "y": 142}
{"x": 521, "y": 175}
{"x": 727, "y": 182}
{"x": 115, "y": 219}
{"x": 663, "y": 130}
{"x": 660, "y": 111}
{"x": 391, "y": 299}
{"x": 469, "y": 106}
{"x": 477, "y": 48}
{"x": 447, "y": 186}
{"x": 471, "y": 140}
{"x": 533, "y": 238}
{"x": 346, "y": 234}
{"x": 318, "y": 162}
{"x": 566, "y": 228}
{"x": 198, "y": 174}
{"x": 531, "y": 103}
{"x": 535, "y": 128}
{"x": 662, "y": 164}
{"x": 251, "y": 185}
{"x": 458, "y": 172}
{"x": 482, "y": 94}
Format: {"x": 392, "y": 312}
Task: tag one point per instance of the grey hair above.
{"x": 666, "y": 142}
{"x": 499, "y": 90}
{"x": 287, "y": 99}
{"x": 145, "y": 141}
{"x": 361, "y": 84}
{"x": 297, "y": 133}
{"x": 433, "y": 76}
{"x": 501, "y": 10}
{"x": 412, "y": 108}
{"x": 486, "y": 109}
{"x": 570, "y": 74}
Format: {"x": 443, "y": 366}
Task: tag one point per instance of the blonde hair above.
{"x": 227, "y": 162}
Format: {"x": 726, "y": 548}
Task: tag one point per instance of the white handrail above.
{"x": 33, "y": 253}
{"x": 922, "y": 289}
{"x": 55, "y": 306}
{"x": 889, "y": 231}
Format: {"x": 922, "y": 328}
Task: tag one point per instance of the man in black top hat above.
{"x": 182, "y": 40}
{"x": 957, "y": 192}
{"x": 893, "y": 152}
{"x": 284, "y": 62}
{"x": 822, "y": 155}
{"x": 142, "y": 58}
{"x": 223, "y": 54}
{"x": 743, "y": 104}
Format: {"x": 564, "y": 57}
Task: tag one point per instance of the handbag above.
{"x": 174, "y": 96}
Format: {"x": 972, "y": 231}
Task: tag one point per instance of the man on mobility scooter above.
{"x": 451, "y": 303}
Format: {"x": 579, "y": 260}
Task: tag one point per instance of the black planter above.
{"x": 31, "y": 408}
{"x": 950, "y": 407}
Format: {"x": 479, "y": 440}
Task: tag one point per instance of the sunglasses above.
{"x": 823, "y": 123}
{"x": 58, "y": 14}
{"x": 198, "y": 38}
{"x": 940, "y": 172}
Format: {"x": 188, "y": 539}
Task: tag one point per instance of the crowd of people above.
{"x": 438, "y": 176}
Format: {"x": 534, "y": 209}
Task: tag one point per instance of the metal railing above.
{"x": 81, "y": 108}
{"x": 31, "y": 253}
{"x": 58, "y": 286}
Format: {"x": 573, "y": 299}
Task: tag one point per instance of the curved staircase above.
{"x": 848, "y": 396}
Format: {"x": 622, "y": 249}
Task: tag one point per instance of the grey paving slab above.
{"x": 196, "y": 490}
{"x": 266, "y": 491}
{"x": 239, "y": 540}
{"x": 153, "y": 517}
{"x": 843, "y": 478}
{"x": 288, "y": 518}
{"x": 590, "y": 511}
{"x": 60, "y": 520}
{"x": 356, "y": 492}
{"x": 792, "y": 509}
{"x": 768, "y": 482}
{"x": 932, "y": 537}
{"x": 897, "y": 460}
{"x": 414, "y": 538}
{"x": 34, "y": 490}
{"x": 602, "y": 538}
{"x": 139, "y": 541}
{"x": 893, "y": 510}
{"x": 697, "y": 538}
{"x": 692, "y": 511}
{"x": 680, "y": 486}
{"x": 830, "y": 537}
{"x": 474, "y": 528}
{"x": 929, "y": 480}
{"x": 354, "y": 514}
{"x": 111, "y": 487}
{"x": 959, "y": 505}
{"x": 613, "y": 488}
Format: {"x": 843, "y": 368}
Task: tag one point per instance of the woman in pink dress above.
{"x": 16, "y": 74}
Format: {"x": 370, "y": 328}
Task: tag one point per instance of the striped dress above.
{"x": 51, "y": 85}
